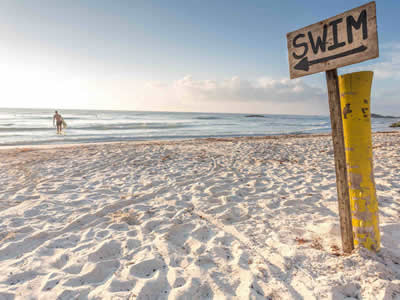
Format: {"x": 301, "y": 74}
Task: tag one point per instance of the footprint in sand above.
{"x": 119, "y": 227}
{"x": 132, "y": 244}
{"x": 121, "y": 286}
{"x": 99, "y": 273}
{"x": 179, "y": 233}
{"x": 348, "y": 291}
{"x": 73, "y": 269}
{"x": 74, "y": 294}
{"x": 224, "y": 239}
{"x": 64, "y": 242}
{"x": 179, "y": 282}
{"x": 234, "y": 215}
{"x": 21, "y": 277}
{"x": 289, "y": 203}
{"x": 102, "y": 234}
{"x": 17, "y": 222}
{"x": 205, "y": 262}
{"x": 147, "y": 268}
{"x": 203, "y": 234}
{"x": 155, "y": 289}
{"x": 33, "y": 212}
{"x": 149, "y": 226}
{"x": 20, "y": 248}
{"x": 106, "y": 251}
{"x": 72, "y": 187}
{"x": 49, "y": 285}
{"x": 60, "y": 261}
{"x": 132, "y": 233}
{"x": 196, "y": 290}
{"x": 222, "y": 252}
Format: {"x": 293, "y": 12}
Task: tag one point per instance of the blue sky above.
{"x": 217, "y": 56}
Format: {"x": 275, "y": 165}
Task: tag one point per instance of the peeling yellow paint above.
{"x": 355, "y": 89}
{"x": 355, "y": 179}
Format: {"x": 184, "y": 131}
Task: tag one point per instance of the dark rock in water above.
{"x": 395, "y": 124}
{"x": 254, "y": 116}
{"x": 380, "y": 116}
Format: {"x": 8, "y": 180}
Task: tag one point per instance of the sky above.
{"x": 192, "y": 55}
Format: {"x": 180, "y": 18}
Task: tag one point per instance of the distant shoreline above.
{"x": 383, "y": 117}
{"x": 182, "y": 141}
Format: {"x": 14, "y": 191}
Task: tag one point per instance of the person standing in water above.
{"x": 58, "y": 120}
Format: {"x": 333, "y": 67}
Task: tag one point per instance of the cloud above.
{"x": 236, "y": 89}
{"x": 389, "y": 65}
{"x": 264, "y": 95}
{"x": 280, "y": 95}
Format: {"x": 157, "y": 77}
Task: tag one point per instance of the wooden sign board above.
{"x": 345, "y": 39}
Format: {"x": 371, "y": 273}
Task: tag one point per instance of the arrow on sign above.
{"x": 304, "y": 64}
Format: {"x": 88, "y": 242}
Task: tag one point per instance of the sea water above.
{"x": 35, "y": 126}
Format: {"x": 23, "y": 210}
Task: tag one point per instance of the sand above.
{"x": 240, "y": 218}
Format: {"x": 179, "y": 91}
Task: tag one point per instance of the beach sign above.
{"x": 345, "y": 39}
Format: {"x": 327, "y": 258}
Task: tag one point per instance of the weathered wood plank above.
{"x": 345, "y": 39}
{"x": 340, "y": 161}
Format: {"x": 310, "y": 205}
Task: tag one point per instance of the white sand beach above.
{"x": 238, "y": 218}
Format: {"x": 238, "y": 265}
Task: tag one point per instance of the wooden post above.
{"x": 340, "y": 161}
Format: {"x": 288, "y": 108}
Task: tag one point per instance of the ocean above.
{"x": 35, "y": 126}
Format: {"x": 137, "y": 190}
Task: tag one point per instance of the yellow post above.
{"x": 355, "y": 94}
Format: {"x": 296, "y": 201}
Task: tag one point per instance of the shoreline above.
{"x": 182, "y": 140}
